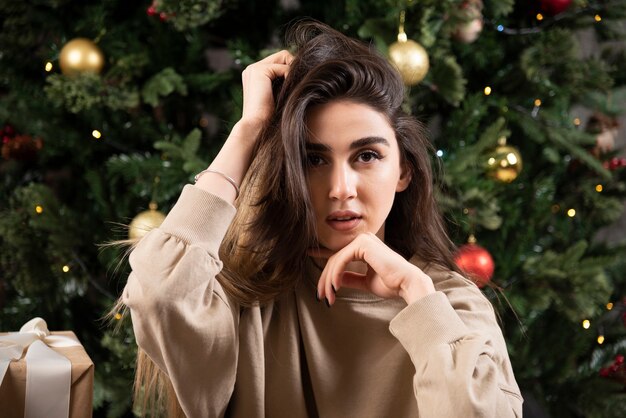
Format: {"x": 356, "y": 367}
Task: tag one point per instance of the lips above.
{"x": 343, "y": 220}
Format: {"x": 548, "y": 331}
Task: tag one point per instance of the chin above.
{"x": 337, "y": 243}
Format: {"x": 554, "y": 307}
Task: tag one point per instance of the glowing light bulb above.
{"x": 39, "y": 209}
{"x": 65, "y": 268}
{"x": 487, "y": 91}
{"x": 96, "y": 134}
{"x": 118, "y": 316}
{"x": 609, "y": 306}
{"x": 586, "y": 324}
{"x": 600, "y": 339}
{"x": 577, "y": 121}
{"x": 571, "y": 213}
{"x": 539, "y": 17}
{"x": 537, "y": 102}
{"x": 597, "y": 18}
{"x": 48, "y": 66}
{"x": 599, "y": 188}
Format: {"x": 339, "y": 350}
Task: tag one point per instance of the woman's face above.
{"x": 354, "y": 171}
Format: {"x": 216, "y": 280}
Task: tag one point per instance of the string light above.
{"x": 599, "y": 188}
{"x": 439, "y": 153}
{"x": 539, "y": 16}
{"x": 586, "y": 324}
{"x": 48, "y": 66}
{"x": 465, "y": 211}
{"x": 600, "y": 339}
{"x": 577, "y": 121}
{"x": 65, "y": 268}
{"x": 118, "y": 316}
{"x": 537, "y": 102}
{"x": 597, "y": 18}
{"x": 500, "y": 28}
{"x": 609, "y": 306}
{"x": 571, "y": 212}
{"x": 487, "y": 91}
{"x": 39, "y": 209}
{"x": 96, "y": 134}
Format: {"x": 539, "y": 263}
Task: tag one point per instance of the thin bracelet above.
{"x": 227, "y": 178}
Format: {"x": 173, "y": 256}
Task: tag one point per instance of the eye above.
{"x": 368, "y": 156}
{"x": 314, "y": 160}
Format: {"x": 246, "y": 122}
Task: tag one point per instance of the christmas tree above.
{"x": 108, "y": 108}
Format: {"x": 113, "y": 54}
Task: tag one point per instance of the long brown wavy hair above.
{"x": 265, "y": 249}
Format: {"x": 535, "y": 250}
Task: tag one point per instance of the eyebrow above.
{"x": 359, "y": 143}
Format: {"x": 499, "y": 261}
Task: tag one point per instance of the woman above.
{"x": 336, "y": 205}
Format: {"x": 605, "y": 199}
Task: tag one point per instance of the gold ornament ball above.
{"x": 504, "y": 163}
{"x": 411, "y": 59}
{"x": 81, "y": 55}
{"x": 145, "y": 221}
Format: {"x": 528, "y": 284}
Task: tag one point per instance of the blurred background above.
{"x": 108, "y": 108}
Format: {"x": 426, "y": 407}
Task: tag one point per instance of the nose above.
{"x": 342, "y": 183}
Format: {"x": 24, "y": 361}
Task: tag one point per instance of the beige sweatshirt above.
{"x": 442, "y": 356}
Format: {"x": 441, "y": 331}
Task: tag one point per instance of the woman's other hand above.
{"x": 235, "y": 157}
{"x": 258, "y": 99}
{"x": 388, "y": 274}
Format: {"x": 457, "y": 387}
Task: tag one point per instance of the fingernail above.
{"x": 317, "y": 295}
{"x": 333, "y": 286}
{"x": 327, "y": 302}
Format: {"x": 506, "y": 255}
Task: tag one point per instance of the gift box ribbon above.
{"x": 48, "y": 373}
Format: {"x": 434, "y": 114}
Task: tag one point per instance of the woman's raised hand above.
{"x": 234, "y": 158}
{"x": 258, "y": 100}
{"x": 388, "y": 274}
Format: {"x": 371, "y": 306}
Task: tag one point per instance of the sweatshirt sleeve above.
{"x": 462, "y": 367}
{"x": 181, "y": 316}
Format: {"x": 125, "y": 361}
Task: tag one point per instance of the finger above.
{"x": 280, "y": 57}
{"x": 329, "y": 287}
{"x": 326, "y": 289}
{"x": 336, "y": 268}
{"x": 276, "y": 70}
{"x": 321, "y": 287}
{"x": 270, "y": 71}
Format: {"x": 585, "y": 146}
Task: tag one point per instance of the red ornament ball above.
{"x": 476, "y": 262}
{"x": 554, "y": 7}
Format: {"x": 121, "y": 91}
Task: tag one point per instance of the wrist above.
{"x": 249, "y": 127}
{"x": 415, "y": 287}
